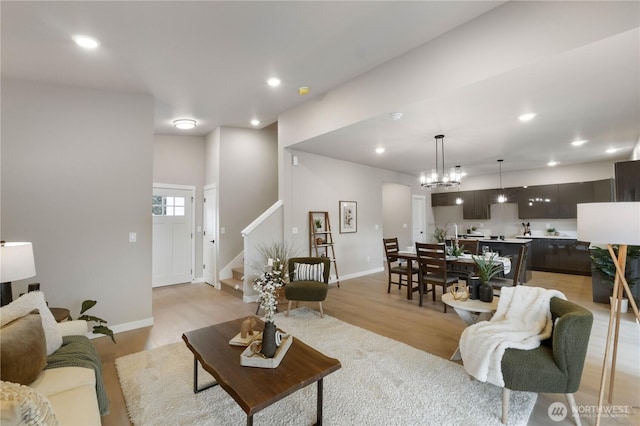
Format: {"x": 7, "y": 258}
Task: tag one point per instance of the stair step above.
{"x": 232, "y": 286}
{"x": 238, "y": 273}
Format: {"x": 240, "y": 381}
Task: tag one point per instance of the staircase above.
{"x": 234, "y": 284}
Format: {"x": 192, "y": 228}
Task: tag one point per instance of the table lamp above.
{"x": 612, "y": 223}
{"x": 16, "y": 263}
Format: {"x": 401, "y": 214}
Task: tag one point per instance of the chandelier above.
{"x": 444, "y": 179}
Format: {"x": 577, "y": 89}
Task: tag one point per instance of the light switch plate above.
{"x": 132, "y": 237}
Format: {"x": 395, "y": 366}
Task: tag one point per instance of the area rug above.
{"x": 381, "y": 382}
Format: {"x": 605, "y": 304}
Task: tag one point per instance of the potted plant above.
{"x": 487, "y": 267}
{"x": 603, "y": 272}
{"x": 440, "y": 234}
{"x": 101, "y": 327}
{"x": 551, "y": 231}
{"x": 318, "y": 223}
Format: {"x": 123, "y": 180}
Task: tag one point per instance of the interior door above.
{"x": 419, "y": 219}
{"x": 172, "y": 253}
{"x": 209, "y": 236}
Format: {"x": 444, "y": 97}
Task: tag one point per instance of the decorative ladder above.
{"x": 321, "y": 239}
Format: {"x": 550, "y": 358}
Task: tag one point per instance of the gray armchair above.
{"x": 556, "y": 366}
{"x": 301, "y": 287}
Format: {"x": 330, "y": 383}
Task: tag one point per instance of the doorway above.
{"x": 209, "y": 235}
{"x": 419, "y": 218}
{"x": 172, "y": 246}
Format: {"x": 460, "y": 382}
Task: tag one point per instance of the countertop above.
{"x": 517, "y": 240}
{"x": 550, "y": 237}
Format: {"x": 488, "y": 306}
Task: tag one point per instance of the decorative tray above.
{"x": 249, "y": 358}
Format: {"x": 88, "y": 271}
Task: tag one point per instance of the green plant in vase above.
{"x": 318, "y": 223}
{"x": 457, "y": 249}
{"x": 487, "y": 267}
{"x": 604, "y": 266}
{"x": 101, "y": 327}
{"x": 440, "y": 234}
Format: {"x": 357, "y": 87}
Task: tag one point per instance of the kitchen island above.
{"x": 563, "y": 254}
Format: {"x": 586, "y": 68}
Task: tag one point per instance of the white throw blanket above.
{"x": 522, "y": 321}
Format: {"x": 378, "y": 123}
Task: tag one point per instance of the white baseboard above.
{"x": 358, "y": 274}
{"x": 198, "y": 280}
{"x": 119, "y": 328}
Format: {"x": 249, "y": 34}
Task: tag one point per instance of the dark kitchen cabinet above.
{"x": 569, "y": 195}
{"x": 446, "y": 198}
{"x": 476, "y": 205}
{"x": 565, "y": 256}
{"x": 538, "y": 202}
{"x": 627, "y": 180}
{"x": 603, "y": 191}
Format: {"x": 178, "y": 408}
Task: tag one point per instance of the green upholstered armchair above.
{"x": 305, "y": 289}
{"x": 555, "y": 366}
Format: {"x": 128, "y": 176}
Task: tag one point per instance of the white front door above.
{"x": 419, "y": 219}
{"x": 209, "y": 236}
{"x": 172, "y": 254}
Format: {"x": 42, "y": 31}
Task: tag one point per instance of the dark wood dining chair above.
{"x": 432, "y": 269}
{"x": 518, "y": 274}
{"x": 470, "y": 246}
{"x": 394, "y": 267}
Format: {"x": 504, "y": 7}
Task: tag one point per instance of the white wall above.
{"x": 396, "y": 213}
{"x": 241, "y": 163}
{"x": 319, "y": 184}
{"x": 76, "y": 180}
{"x": 180, "y": 160}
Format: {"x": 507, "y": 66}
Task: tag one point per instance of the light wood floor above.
{"x": 364, "y": 302}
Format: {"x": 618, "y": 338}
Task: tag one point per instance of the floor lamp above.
{"x": 16, "y": 263}
{"x": 612, "y": 223}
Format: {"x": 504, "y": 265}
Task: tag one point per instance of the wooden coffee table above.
{"x": 255, "y": 388}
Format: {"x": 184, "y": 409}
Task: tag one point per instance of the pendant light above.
{"x": 501, "y": 197}
{"x": 439, "y": 179}
{"x": 459, "y": 199}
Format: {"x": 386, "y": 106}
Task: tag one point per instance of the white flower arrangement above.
{"x": 267, "y": 285}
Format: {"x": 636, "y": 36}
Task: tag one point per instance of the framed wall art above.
{"x": 348, "y": 217}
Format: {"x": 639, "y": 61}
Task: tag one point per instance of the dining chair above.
{"x": 470, "y": 246}
{"x": 432, "y": 269}
{"x": 395, "y": 267}
{"x": 521, "y": 266}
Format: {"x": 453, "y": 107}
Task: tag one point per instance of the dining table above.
{"x": 464, "y": 261}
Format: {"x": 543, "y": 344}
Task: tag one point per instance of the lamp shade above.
{"x": 16, "y": 262}
{"x": 609, "y": 223}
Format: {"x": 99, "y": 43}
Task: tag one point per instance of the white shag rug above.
{"x": 381, "y": 382}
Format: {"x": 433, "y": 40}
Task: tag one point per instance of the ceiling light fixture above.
{"x": 395, "y": 115}
{"x": 185, "y": 124}
{"x": 273, "y": 82}
{"x": 444, "y": 179}
{"x": 379, "y": 150}
{"x": 611, "y": 150}
{"x": 553, "y": 163}
{"x": 579, "y": 143}
{"x": 304, "y": 90}
{"x": 255, "y": 122}
{"x": 86, "y": 41}
{"x": 501, "y": 197}
{"x": 526, "y": 117}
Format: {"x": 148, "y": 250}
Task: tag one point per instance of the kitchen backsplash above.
{"x": 504, "y": 221}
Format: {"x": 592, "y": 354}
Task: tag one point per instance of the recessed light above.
{"x": 86, "y": 41}
{"x": 379, "y": 150}
{"x": 553, "y": 163}
{"x": 273, "y": 82}
{"x": 255, "y": 122}
{"x": 526, "y": 117}
{"x": 579, "y": 143}
{"x": 611, "y": 150}
{"x": 395, "y": 115}
{"x": 304, "y": 90}
{"x": 184, "y": 124}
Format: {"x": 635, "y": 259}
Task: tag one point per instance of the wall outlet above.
{"x": 223, "y": 230}
{"x": 294, "y": 230}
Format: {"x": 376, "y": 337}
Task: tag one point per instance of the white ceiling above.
{"x": 209, "y": 61}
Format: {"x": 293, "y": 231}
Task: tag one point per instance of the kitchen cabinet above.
{"x": 627, "y": 180}
{"x": 603, "y": 191}
{"x": 538, "y": 202}
{"x": 569, "y": 195}
{"x": 476, "y": 204}
{"x": 567, "y": 256}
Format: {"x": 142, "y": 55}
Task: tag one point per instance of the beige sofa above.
{"x": 71, "y": 391}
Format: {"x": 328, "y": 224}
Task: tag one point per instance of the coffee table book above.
{"x": 247, "y": 360}
{"x": 238, "y": 340}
